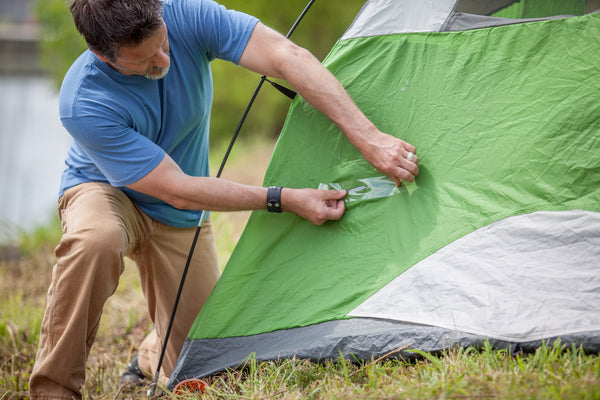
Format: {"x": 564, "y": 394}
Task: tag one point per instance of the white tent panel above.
{"x": 522, "y": 278}
{"x": 382, "y": 17}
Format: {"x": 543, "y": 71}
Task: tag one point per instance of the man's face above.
{"x": 150, "y": 58}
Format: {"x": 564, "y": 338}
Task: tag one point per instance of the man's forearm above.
{"x": 317, "y": 85}
{"x": 170, "y": 184}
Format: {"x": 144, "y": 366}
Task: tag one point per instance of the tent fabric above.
{"x": 516, "y": 261}
{"x": 464, "y": 21}
{"x": 539, "y": 9}
{"x": 505, "y": 120}
{"x": 488, "y": 7}
{"x": 357, "y": 338}
{"x": 384, "y": 17}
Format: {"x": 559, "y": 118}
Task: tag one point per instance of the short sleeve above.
{"x": 220, "y": 32}
{"x": 121, "y": 154}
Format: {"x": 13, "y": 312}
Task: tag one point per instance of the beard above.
{"x": 156, "y": 73}
{"x": 153, "y": 73}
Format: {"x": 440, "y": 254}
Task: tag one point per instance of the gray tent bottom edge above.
{"x": 357, "y": 338}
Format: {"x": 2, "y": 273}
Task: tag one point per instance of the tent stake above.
{"x": 203, "y": 215}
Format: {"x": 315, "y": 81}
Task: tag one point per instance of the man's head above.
{"x": 129, "y": 35}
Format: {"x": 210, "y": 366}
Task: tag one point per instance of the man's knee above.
{"x": 102, "y": 237}
{"x": 98, "y": 249}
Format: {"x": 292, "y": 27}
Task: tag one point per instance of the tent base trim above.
{"x": 357, "y": 338}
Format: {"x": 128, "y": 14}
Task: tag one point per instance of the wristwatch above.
{"x": 274, "y": 199}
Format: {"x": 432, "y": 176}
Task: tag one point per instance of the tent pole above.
{"x": 203, "y": 215}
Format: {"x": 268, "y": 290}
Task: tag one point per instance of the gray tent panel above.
{"x": 464, "y": 21}
{"x": 487, "y": 7}
{"x": 357, "y": 338}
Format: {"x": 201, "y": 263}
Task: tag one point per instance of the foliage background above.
{"x": 322, "y": 26}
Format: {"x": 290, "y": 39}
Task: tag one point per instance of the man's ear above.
{"x": 100, "y": 56}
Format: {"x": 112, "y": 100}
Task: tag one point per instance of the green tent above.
{"x": 498, "y": 239}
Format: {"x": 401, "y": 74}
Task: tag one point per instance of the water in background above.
{"x": 33, "y": 145}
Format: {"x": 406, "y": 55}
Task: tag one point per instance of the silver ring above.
{"x": 410, "y": 156}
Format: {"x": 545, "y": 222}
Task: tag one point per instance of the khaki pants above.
{"x": 101, "y": 226}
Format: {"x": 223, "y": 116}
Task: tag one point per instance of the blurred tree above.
{"x": 60, "y": 42}
{"x": 321, "y": 27}
{"x": 324, "y": 23}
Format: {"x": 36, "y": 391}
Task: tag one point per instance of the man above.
{"x": 137, "y": 104}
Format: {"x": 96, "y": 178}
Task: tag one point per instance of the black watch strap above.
{"x": 274, "y": 199}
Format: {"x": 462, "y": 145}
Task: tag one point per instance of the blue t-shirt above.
{"x": 122, "y": 125}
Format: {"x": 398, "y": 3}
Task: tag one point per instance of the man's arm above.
{"x": 170, "y": 184}
{"x": 271, "y": 54}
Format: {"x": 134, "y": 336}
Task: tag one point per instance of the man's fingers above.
{"x": 334, "y": 206}
{"x": 336, "y": 210}
{"x": 411, "y": 166}
{"x": 412, "y": 157}
{"x": 403, "y": 171}
{"x": 407, "y": 168}
{"x": 334, "y": 195}
{"x": 409, "y": 147}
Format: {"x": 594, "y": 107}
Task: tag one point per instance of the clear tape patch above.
{"x": 364, "y": 189}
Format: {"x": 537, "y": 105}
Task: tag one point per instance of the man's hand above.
{"x": 317, "y": 206}
{"x": 391, "y": 156}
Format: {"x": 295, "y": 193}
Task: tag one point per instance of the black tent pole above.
{"x": 258, "y": 87}
{"x": 202, "y": 215}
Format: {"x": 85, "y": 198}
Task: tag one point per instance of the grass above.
{"x": 552, "y": 372}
